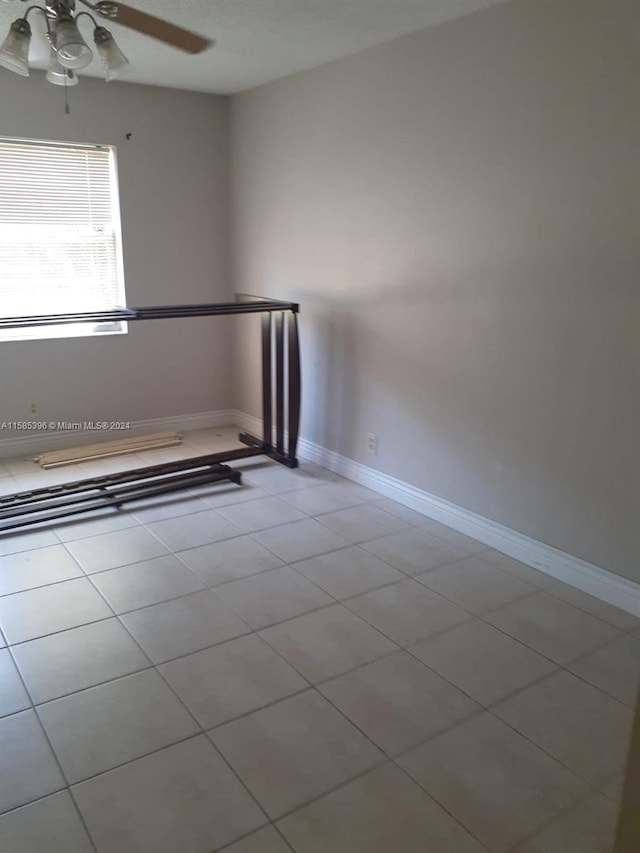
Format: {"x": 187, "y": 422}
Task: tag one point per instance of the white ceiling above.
{"x": 257, "y": 41}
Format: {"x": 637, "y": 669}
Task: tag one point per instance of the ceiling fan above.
{"x": 144, "y": 23}
{"x": 68, "y": 50}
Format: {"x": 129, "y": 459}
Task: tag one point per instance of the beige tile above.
{"x": 614, "y": 668}
{"x": 398, "y": 702}
{"x": 496, "y": 783}
{"x": 181, "y": 798}
{"x": 586, "y": 828}
{"x": 361, "y": 523}
{"x": 614, "y": 787}
{"x": 380, "y": 812}
{"x": 515, "y": 567}
{"x": 191, "y": 531}
{"x": 266, "y": 840}
{"x": 613, "y": 615}
{"x": 277, "y": 480}
{"x": 43, "y": 479}
{"x": 576, "y": 723}
{"x": 231, "y": 679}
{"x": 327, "y": 642}
{"x": 29, "y": 769}
{"x": 413, "y": 551}
{"x": 400, "y": 511}
{"x": 13, "y": 696}
{"x": 51, "y": 824}
{"x": 328, "y": 498}
{"x": 260, "y": 514}
{"x": 442, "y": 531}
{"x": 14, "y": 543}
{"x": 120, "y": 548}
{"x": 100, "y": 728}
{"x": 229, "y": 560}
{"x": 30, "y": 569}
{"x": 227, "y": 494}
{"x": 407, "y": 611}
{"x": 183, "y": 625}
{"x": 149, "y": 582}
{"x": 161, "y": 507}
{"x": 21, "y": 465}
{"x": 222, "y": 435}
{"x": 300, "y": 540}
{"x": 348, "y": 572}
{"x": 482, "y": 661}
{"x": 305, "y": 748}
{"x": 93, "y": 524}
{"x": 48, "y": 609}
{"x": 273, "y": 596}
{"x": 555, "y": 629}
{"x": 110, "y": 465}
{"x": 475, "y": 585}
{"x": 73, "y": 660}
{"x": 168, "y": 454}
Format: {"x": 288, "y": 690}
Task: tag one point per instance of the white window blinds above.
{"x": 59, "y": 229}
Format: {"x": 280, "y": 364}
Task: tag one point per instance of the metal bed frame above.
{"x": 280, "y": 417}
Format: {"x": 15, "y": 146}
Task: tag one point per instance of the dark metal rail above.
{"x": 253, "y": 305}
{"x": 280, "y": 397}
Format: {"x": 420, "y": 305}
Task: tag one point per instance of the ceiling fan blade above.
{"x": 154, "y": 27}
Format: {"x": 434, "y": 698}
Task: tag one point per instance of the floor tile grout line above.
{"x": 250, "y": 835}
{"x": 387, "y": 761}
{"x": 314, "y": 609}
{"x": 596, "y": 648}
{"x": 443, "y": 806}
{"x": 555, "y": 758}
{"x": 407, "y": 648}
{"x": 553, "y": 819}
{"x": 198, "y": 734}
{"x": 43, "y": 585}
{"x": 64, "y": 777}
{"x": 558, "y": 666}
{"x": 308, "y": 687}
{"x": 479, "y": 617}
{"x": 187, "y": 709}
{"x": 549, "y": 591}
{"x": 174, "y": 553}
{"x": 65, "y": 789}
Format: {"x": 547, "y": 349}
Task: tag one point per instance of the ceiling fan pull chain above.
{"x": 66, "y": 97}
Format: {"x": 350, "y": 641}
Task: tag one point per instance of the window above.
{"x": 60, "y": 239}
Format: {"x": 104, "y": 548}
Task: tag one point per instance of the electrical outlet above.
{"x": 33, "y": 408}
{"x": 372, "y": 443}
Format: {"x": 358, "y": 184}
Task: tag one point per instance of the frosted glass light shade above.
{"x": 113, "y": 59}
{"x": 73, "y": 51}
{"x": 58, "y": 74}
{"x": 14, "y": 53}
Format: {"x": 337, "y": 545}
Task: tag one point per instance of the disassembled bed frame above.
{"x": 280, "y": 415}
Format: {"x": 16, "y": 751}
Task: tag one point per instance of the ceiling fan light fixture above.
{"x": 14, "y": 53}
{"x": 73, "y": 51}
{"x": 113, "y": 59}
{"x": 58, "y": 74}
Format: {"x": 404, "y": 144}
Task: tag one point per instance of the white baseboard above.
{"x": 599, "y": 582}
{"x": 26, "y": 444}
{"x": 248, "y": 423}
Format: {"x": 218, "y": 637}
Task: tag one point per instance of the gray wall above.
{"x": 174, "y": 197}
{"x": 457, "y": 212}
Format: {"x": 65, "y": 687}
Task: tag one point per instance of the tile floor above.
{"x": 298, "y": 665}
